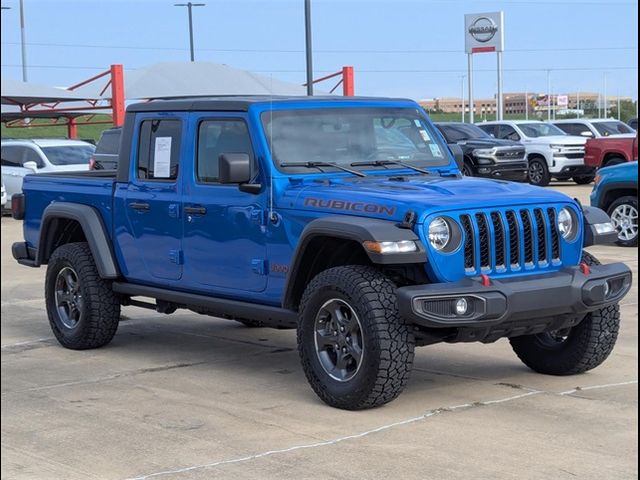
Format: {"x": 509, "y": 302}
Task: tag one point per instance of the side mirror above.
{"x": 33, "y": 166}
{"x": 586, "y": 133}
{"x": 235, "y": 168}
{"x": 458, "y": 154}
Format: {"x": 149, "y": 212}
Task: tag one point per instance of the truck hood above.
{"x": 390, "y": 198}
{"x": 556, "y": 140}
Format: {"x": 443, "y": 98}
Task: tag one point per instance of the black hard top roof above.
{"x": 238, "y": 104}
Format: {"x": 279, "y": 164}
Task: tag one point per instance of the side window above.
{"x": 507, "y": 132}
{"x": 216, "y": 137}
{"x": 30, "y": 155}
{"x": 12, "y": 156}
{"x": 159, "y": 149}
{"x": 490, "y": 129}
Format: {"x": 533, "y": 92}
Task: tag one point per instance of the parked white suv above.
{"x": 22, "y": 157}
{"x": 550, "y": 152}
{"x": 595, "y": 127}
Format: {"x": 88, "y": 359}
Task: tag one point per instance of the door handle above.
{"x": 139, "y": 206}
{"x": 195, "y": 210}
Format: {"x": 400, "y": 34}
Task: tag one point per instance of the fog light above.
{"x": 462, "y": 306}
{"x": 607, "y": 289}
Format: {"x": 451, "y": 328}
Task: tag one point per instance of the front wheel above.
{"x": 355, "y": 349}
{"x": 539, "y": 173}
{"x": 572, "y": 350}
{"x": 83, "y": 311}
{"x": 467, "y": 171}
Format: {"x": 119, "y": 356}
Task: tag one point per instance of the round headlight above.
{"x": 566, "y": 224}
{"x": 439, "y": 233}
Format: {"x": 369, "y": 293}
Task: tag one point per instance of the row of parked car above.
{"x": 540, "y": 151}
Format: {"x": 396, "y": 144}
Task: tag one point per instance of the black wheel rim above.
{"x": 555, "y": 339}
{"x": 536, "y": 172}
{"x": 69, "y": 300}
{"x": 338, "y": 340}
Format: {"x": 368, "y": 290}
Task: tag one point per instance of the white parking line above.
{"x": 430, "y": 413}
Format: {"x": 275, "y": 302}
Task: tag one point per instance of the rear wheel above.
{"x": 355, "y": 349}
{"x": 583, "y": 179}
{"x": 538, "y": 172}
{"x": 624, "y": 216}
{"x": 83, "y": 311}
{"x": 611, "y": 161}
{"x": 572, "y": 350}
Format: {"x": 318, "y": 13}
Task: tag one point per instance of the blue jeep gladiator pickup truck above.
{"x": 345, "y": 218}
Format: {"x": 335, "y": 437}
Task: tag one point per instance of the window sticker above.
{"x": 162, "y": 158}
{"x": 424, "y": 135}
{"x": 435, "y": 150}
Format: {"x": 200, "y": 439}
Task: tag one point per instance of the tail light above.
{"x": 17, "y": 206}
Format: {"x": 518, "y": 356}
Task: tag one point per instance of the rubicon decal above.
{"x": 350, "y": 206}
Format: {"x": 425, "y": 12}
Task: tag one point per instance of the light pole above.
{"x": 462, "y": 77}
{"x": 604, "y": 103}
{"x": 189, "y": 8}
{"x": 308, "y": 46}
{"x": 549, "y": 95}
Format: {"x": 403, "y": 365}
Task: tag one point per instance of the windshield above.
{"x": 69, "y": 154}
{"x": 535, "y": 130}
{"x": 350, "y": 135}
{"x": 461, "y": 132}
{"x": 613, "y": 127}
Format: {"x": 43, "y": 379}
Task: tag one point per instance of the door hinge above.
{"x": 259, "y": 266}
{"x": 176, "y": 256}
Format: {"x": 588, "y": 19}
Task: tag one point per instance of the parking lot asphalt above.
{"x": 192, "y": 397}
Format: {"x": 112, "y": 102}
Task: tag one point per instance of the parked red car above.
{"x": 608, "y": 151}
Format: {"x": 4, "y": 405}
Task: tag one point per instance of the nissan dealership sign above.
{"x": 484, "y": 32}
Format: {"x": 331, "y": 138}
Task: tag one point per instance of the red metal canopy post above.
{"x": 346, "y": 80}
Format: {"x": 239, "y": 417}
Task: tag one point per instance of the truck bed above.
{"x": 93, "y": 188}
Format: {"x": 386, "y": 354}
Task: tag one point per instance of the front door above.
{"x": 152, "y": 201}
{"x": 224, "y": 228}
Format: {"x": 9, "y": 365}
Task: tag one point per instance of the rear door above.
{"x": 152, "y": 241}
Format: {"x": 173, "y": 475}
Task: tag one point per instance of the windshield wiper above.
{"x": 382, "y": 163}
{"x": 324, "y": 164}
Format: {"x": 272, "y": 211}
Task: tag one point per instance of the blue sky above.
{"x": 400, "y": 48}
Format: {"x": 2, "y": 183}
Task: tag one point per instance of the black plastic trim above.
{"x": 24, "y": 254}
{"x": 272, "y": 316}
{"x": 594, "y": 216}
{"x": 93, "y": 228}
{"x": 566, "y": 292}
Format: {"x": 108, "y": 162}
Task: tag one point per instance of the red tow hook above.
{"x": 486, "y": 281}
{"x": 585, "y": 269}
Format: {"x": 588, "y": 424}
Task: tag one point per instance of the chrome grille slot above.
{"x": 498, "y": 228}
{"x": 469, "y": 253}
{"x": 528, "y": 236}
{"x": 541, "y": 227}
{"x": 555, "y": 235}
{"x": 485, "y": 241}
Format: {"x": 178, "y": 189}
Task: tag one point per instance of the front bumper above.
{"x": 518, "y": 305}
{"x": 516, "y": 171}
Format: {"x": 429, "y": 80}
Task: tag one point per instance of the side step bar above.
{"x": 221, "y": 307}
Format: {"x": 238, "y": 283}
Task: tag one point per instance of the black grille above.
{"x": 514, "y": 241}
{"x": 542, "y": 235}
{"x": 498, "y": 228}
{"x": 555, "y": 236}
{"x": 495, "y": 241}
{"x": 528, "y": 236}
{"x": 483, "y": 231}
{"x": 469, "y": 253}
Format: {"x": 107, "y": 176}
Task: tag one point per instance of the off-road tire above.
{"x": 587, "y": 345}
{"x": 100, "y": 311}
{"x": 388, "y": 344}
{"x": 539, "y": 172}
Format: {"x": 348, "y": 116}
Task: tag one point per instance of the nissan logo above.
{"x": 483, "y": 29}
